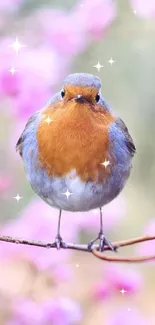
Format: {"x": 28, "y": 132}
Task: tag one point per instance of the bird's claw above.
{"x": 103, "y": 242}
{"x": 58, "y": 243}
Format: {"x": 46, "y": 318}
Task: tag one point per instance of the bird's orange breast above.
{"x": 76, "y": 138}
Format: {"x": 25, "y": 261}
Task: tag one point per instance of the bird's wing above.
{"x": 128, "y": 139}
{"x": 32, "y": 120}
{"x": 29, "y": 124}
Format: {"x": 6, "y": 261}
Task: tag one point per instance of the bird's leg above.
{"x": 58, "y": 239}
{"x": 101, "y": 237}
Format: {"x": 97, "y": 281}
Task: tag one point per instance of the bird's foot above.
{"x": 103, "y": 242}
{"x": 59, "y": 243}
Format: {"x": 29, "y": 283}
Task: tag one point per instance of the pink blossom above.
{"x": 38, "y": 221}
{"x": 95, "y": 16}
{"x": 112, "y": 214}
{"x": 62, "y": 31}
{"x": 37, "y": 73}
{"x": 5, "y": 183}
{"x": 60, "y": 311}
{"x": 10, "y": 5}
{"x": 61, "y": 274}
{"x": 147, "y": 248}
{"x": 102, "y": 290}
{"x": 127, "y": 317}
{"x": 40, "y": 72}
{"x": 114, "y": 279}
{"x": 143, "y": 8}
{"x": 71, "y": 32}
{"x": 9, "y": 85}
{"x": 29, "y": 101}
{"x": 123, "y": 278}
{"x": 25, "y": 312}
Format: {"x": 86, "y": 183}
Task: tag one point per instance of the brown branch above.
{"x": 123, "y": 259}
{"x": 127, "y": 242}
{"x": 84, "y": 248}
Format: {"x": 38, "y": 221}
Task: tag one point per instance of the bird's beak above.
{"x": 79, "y": 98}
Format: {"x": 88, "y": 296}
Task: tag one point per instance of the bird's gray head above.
{"x": 83, "y": 80}
{"x": 82, "y": 88}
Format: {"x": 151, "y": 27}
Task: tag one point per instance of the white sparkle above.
{"x": 98, "y": 66}
{"x": 18, "y": 197}
{"x": 111, "y": 61}
{"x": 106, "y": 163}
{"x": 48, "y": 120}
{"x": 129, "y": 309}
{"x": 67, "y": 193}
{"x": 17, "y": 45}
{"x": 77, "y": 265}
{"x": 122, "y": 291}
{"x": 135, "y": 12}
{"x": 12, "y": 70}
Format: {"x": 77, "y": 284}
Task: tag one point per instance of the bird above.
{"x": 77, "y": 152}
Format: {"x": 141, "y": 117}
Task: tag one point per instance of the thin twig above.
{"x": 123, "y": 259}
{"x": 37, "y": 243}
{"x": 84, "y": 248}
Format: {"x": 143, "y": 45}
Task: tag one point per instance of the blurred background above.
{"x": 40, "y": 286}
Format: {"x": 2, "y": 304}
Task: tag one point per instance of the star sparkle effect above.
{"x": 129, "y": 309}
{"x": 135, "y": 12}
{"x": 17, "y": 45}
{"x": 48, "y": 120}
{"x": 111, "y": 61}
{"x": 106, "y": 163}
{"x": 122, "y": 291}
{"x": 12, "y": 70}
{"x": 98, "y": 66}
{"x": 77, "y": 265}
{"x": 18, "y": 197}
{"x": 67, "y": 193}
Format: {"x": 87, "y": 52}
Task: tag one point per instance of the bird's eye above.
{"x": 97, "y": 98}
{"x": 62, "y": 93}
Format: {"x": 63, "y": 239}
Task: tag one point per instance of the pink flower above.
{"x": 29, "y": 101}
{"x": 38, "y": 221}
{"x": 147, "y": 248}
{"x": 62, "y": 31}
{"x": 101, "y": 291}
{"x": 143, "y": 8}
{"x": 10, "y": 5}
{"x": 95, "y": 16}
{"x": 112, "y": 214}
{"x": 70, "y": 32}
{"x": 60, "y": 311}
{"x": 114, "y": 279}
{"x": 37, "y": 73}
{"x": 10, "y": 85}
{"x": 62, "y": 273}
{"x": 40, "y": 71}
{"x": 5, "y": 183}
{"x": 26, "y": 312}
{"x": 127, "y": 317}
{"x": 123, "y": 278}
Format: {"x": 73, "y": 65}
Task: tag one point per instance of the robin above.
{"x": 76, "y": 151}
